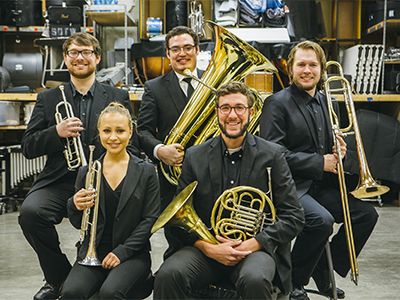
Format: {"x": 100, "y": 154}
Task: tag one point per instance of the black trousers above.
{"x": 322, "y": 208}
{"x": 40, "y": 212}
{"x": 189, "y": 270}
{"x": 122, "y": 282}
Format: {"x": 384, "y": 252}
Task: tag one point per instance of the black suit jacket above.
{"x": 286, "y": 120}
{"x": 162, "y": 104}
{"x": 41, "y": 138}
{"x": 138, "y": 209}
{"x": 203, "y": 163}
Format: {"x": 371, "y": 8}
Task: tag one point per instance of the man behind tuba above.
{"x": 234, "y": 158}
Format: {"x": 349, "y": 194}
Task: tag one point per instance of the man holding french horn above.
{"x": 236, "y": 158}
{"x": 298, "y": 119}
{"x": 62, "y": 126}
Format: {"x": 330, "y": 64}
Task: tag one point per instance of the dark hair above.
{"x": 116, "y": 108}
{"x": 179, "y": 30}
{"x": 307, "y": 45}
{"x": 234, "y": 87}
{"x": 83, "y": 39}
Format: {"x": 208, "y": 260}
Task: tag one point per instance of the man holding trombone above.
{"x": 298, "y": 118}
{"x": 80, "y": 102}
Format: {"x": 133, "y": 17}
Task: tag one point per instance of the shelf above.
{"x": 373, "y": 98}
{"x": 391, "y": 25}
{"x": 109, "y": 15}
{"x": 31, "y": 97}
{"x": 13, "y": 127}
{"x": 29, "y": 29}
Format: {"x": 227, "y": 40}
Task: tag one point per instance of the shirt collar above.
{"x": 181, "y": 77}
{"x": 225, "y": 151}
{"x": 307, "y": 98}
{"x": 90, "y": 91}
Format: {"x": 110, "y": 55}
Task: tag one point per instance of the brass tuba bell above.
{"x": 232, "y": 59}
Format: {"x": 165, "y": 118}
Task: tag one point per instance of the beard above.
{"x": 239, "y": 134}
{"x": 305, "y": 88}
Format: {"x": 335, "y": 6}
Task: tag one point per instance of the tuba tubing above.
{"x": 232, "y": 59}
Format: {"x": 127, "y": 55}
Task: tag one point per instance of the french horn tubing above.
{"x": 232, "y": 59}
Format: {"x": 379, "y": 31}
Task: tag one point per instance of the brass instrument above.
{"x": 94, "y": 170}
{"x": 248, "y": 214}
{"x": 196, "y": 19}
{"x": 367, "y": 186}
{"x": 73, "y": 149}
{"x": 232, "y": 59}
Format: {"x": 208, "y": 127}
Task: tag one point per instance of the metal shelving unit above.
{"x": 110, "y": 15}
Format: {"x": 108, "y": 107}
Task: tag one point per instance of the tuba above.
{"x": 239, "y": 213}
{"x": 367, "y": 186}
{"x": 232, "y": 59}
{"x": 94, "y": 173}
{"x": 73, "y": 149}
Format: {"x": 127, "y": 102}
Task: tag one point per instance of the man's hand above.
{"x": 69, "y": 127}
{"x": 331, "y": 160}
{"x": 249, "y": 245}
{"x": 171, "y": 155}
{"x": 84, "y": 199}
{"x": 110, "y": 261}
{"x": 225, "y": 253}
{"x": 343, "y": 146}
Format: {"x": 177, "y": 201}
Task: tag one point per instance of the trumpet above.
{"x": 367, "y": 186}
{"x": 73, "y": 149}
{"x": 238, "y": 213}
{"x": 94, "y": 170}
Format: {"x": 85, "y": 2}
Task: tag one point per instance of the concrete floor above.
{"x": 379, "y": 263}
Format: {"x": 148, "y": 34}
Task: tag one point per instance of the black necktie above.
{"x": 190, "y": 88}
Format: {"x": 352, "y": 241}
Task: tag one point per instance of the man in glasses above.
{"x": 45, "y": 203}
{"x": 163, "y": 101}
{"x": 235, "y": 158}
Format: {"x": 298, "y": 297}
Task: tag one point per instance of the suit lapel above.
{"x": 215, "y": 167}
{"x": 99, "y": 102}
{"x": 175, "y": 92}
{"x": 248, "y": 159}
{"x": 134, "y": 173}
{"x": 327, "y": 120}
{"x": 306, "y": 114}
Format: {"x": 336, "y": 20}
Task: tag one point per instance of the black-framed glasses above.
{"x": 186, "y": 48}
{"x": 75, "y": 53}
{"x": 239, "y": 110}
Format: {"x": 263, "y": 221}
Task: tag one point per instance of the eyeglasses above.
{"x": 186, "y": 49}
{"x": 75, "y": 53}
{"x": 239, "y": 110}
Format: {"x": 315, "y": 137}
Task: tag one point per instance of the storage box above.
{"x": 9, "y": 113}
{"x": 375, "y": 12}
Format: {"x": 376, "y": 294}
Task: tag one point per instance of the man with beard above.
{"x": 235, "y": 158}
{"x": 297, "y": 118}
{"x": 45, "y": 203}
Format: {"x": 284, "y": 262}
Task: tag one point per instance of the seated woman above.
{"x": 129, "y": 204}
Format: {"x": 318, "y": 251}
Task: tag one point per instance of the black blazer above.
{"x": 286, "y": 120}
{"x": 203, "y": 163}
{"x": 162, "y": 104}
{"x": 41, "y": 138}
{"x": 138, "y": 209}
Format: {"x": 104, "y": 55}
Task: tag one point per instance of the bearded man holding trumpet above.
{"x": 45, "y": 204}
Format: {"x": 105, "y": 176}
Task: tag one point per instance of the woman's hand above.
{"x": 84, "y": 199}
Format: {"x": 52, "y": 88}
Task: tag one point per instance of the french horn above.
{"x": 238, "y": 213}
{"x": 232, "y": 59}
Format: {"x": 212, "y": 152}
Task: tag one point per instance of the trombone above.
{"x": 73, "y": 149}
{"x": 94, "y": 169}
{"x": 367, "y": 186}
